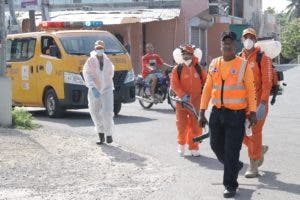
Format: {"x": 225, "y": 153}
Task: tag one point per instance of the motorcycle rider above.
{"x": 151, "y": 64}
{"x": 188, "y": 86}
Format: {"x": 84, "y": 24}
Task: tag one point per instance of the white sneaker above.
{"x": 181, "y": 149}
{"x": 195, "y": 153}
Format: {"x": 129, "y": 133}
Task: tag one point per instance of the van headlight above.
{"x": 73, "y": 78}
{"x": 129, "y": 76}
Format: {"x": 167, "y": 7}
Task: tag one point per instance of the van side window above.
{"x": 20, "y": 49}
{"x": 48, "y": 42}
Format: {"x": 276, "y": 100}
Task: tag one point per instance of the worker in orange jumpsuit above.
{"x": 188, "y": 86}
{"x": 263, "y": 83}
{"x": 230, "y": 86}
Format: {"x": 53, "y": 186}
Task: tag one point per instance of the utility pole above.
{"x": 13, "y": 28}
{"x": 5, "y": 83}
{"x": 45, "y": 10}
{"x": 32, "y": 27}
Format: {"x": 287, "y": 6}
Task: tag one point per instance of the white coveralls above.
{"x": 101, "y": 109}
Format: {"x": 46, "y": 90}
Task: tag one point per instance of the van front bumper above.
{"x": 75, "y": 96}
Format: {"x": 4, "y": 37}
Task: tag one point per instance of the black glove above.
{"x": 252, "y": 118}
{"x": 202, "y": 119}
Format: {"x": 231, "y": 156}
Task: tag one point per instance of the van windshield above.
{"x": 83, "y": 45}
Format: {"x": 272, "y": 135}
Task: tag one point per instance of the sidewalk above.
{"x": 58, "y": 164}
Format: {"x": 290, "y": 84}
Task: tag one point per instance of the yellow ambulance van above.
{"x": 45, "y": 67}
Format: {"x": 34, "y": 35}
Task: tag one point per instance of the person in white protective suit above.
{"x": 98, "y": 72}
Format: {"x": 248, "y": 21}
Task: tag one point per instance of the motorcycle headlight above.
{"x": 129, "y": 77}
{"x": 73, "y": 78}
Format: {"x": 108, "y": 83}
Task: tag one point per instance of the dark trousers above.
{"x": 227, "y": 132}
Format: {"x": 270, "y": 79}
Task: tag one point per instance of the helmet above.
{"x": 187, "y": 48}
{"x": 177, "y": 53}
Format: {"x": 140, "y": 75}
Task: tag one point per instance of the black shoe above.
{"x": 109, "y": 139}
{"x": 101, "y": 138}
{"x": 228, "y": 193}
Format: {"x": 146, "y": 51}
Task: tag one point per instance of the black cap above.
{"x": 229, "y": 34}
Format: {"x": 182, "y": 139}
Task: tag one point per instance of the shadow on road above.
{"x": 242, "y": 193}
{"x": 119, "y": 155}
{"x": 124, "y": 119}
{"x": 270, "y": 181}
{"x": 203, "y": 161}
{"x": 163, "y": 110}
{"x": 67, "y": 115}
{"x": 83, "y": 119}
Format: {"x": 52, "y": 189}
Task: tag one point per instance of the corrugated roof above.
{"x": 117, "y": 16}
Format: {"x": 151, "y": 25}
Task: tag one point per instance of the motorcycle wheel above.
{"x": 144, "y": 104}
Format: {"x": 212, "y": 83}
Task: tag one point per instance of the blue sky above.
{"x": 279, "y": 5}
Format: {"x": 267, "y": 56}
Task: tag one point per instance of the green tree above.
{"x": 282, "y": 18}
{"x": 270, "y": 10}
{"x": 293, "y": 9}
{"x": 290, "y": 39}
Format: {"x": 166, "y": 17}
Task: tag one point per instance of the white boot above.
{"x": 252, "y": 171}
{"x": 264, "y": 150}
{"x": 195, "y": 153}
{"x": 181, "y": 149}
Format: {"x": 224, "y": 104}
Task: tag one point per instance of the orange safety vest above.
{"x": 231, "y": 92}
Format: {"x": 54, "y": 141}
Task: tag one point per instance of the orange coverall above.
{"x": 189, "y": 84}
{"x": 263, "y": 84}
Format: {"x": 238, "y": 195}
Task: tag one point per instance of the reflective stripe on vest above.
{"x": 231, "y": 96}
{"x": 242, "y": 72}
{"x": 229, "y": 87}
{"x": 232, "y": 101}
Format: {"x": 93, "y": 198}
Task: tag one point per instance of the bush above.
{"x": 290, "y": 38}
{"x": 22, "y": 119}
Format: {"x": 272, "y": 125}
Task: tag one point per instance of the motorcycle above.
{"x": 162, "y": 90}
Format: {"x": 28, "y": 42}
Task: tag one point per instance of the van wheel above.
{"x": 51, "y": 104}
{"x": 117, "y": 107}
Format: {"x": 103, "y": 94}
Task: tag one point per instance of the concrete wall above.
{"x": 191, "y": 8}
{"x": 214, "y": 41}
{"x": 132, "y": 34}
{"x": 162, "y": 35}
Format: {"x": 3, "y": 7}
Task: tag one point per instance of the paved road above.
{"x": 151, "y": 135}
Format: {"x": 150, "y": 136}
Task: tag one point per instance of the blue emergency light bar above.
{"x": 70, "y": 24}
{"x": 93, "y": 23}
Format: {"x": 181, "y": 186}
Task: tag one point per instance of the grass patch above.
{"x": 22, "y": 119}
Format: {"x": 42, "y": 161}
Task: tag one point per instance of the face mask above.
{"x": 99, "y": 52}
{"x": 187, "y": 62}
{"x": 248, "y": 44}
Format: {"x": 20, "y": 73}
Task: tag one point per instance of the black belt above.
{"x": 229, "y": 110}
